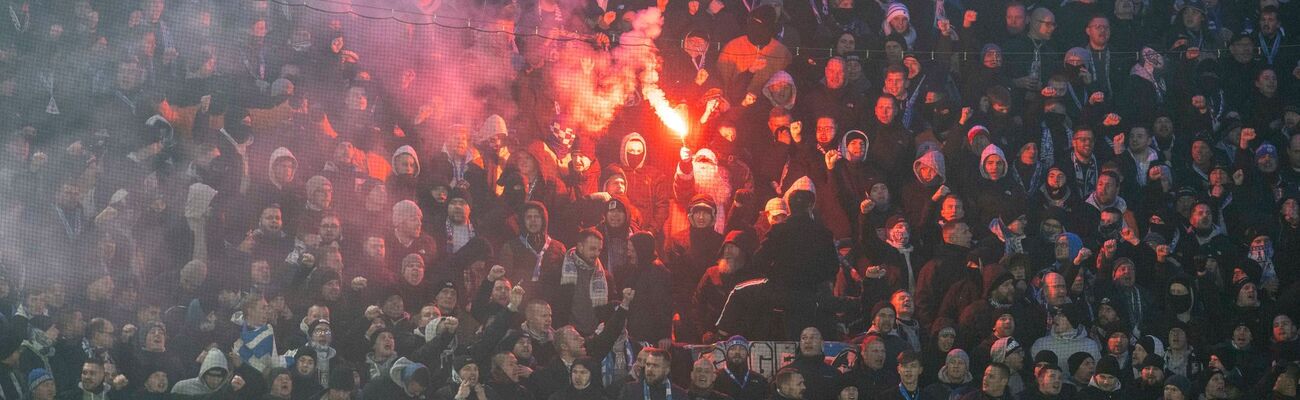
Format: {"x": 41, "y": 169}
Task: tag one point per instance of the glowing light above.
{"x": 664, "y": 110}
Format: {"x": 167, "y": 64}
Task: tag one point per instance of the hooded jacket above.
{"x": 781, "y": 77}
{"x": 853, "y": 178}
{"x": 995, "y": 198}
{"x": 916, "y": 195}
{"x": 403, "y": 186}
{"x": 280, "y": 152}
{"x": 646, "y": 188}
{"x": 214, "y": 360}
{"x": 520, "y": 257}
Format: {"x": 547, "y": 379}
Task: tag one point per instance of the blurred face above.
{"x": 501, "y": 291}
{"x": 156, "y": 339}
{"x": 331, "y": 230}
{"x": 884, "y": 320}
{"x": 1241, "y": 337}
{"x": 1083, "y": 144}
{"x": 1177, "y": 339}
{"x": 1283, "y": 329}
{"x": 874, "y": 356}
{"x": 404, "y": 164}
{"x": 701, "y": 217}
{"x": 580, "y": 376}
{"x": 995, "y": 381}
{"x": 1085, "y": 370}
{"x": 283, "y": 169}
{"x": 1061, "y": 325}
{"x": 952, "y": 209}
{"x": 469, "y": 374}
{"x": 894, "y": 51}
{"x": 1046, "y": 24}
{"x": 508, "y": 364}
{"x": 356, "y": 99}
{"x": 1138, "y": 139}
{"x": 848, "y": 393}
{"x": 656, "y": 369}
{"x": 696, "y": 46}
{"x": 1153, "y": 375}
{"x": 413, "y": 270}
{"x": 270, "y": 220}
{"x": 212, "y": 378}
{"x": 1005, "y": 325}
{"x": 810, "y": 340}
{"x": 1202, "y": 217}
{"x": 835, "y": 73}
{"x": 385, "y": 346}
{"x": 910, "y": 372}
{"x": 993, "y": 166}
{"x": 1192, "y": 18}
{"x": 1049, "y": 382}
{"x": 375, "y": 247}
{"x": 1055, "y": 179}
{"x": 458, "y": 210}
{"x": 902, "y": 301}
{"x": 92, "y": 375}
{"x": 589, "y": 248}
{"x": 538, "y": 316}
{"x": 895, "y": 82}
{"x": 992, "y": 59}
{"x": 947, "y": 341}
{"x": 727, "y": 132}
{"x": 1107, "y": 381}
{"x": 305, "y": 365}
{"x": 1015, "y": 360}
{"x": 702, "y": 375}
{"x": 956, "y": 368}
{"x": 825, "y": 130}
{"x": 1266, "y": 82}
{"x": 282, "y": 386}
{"x": 1117, "y": 343}
{"x": 156, "y": 383}
{"x": 794, "y": 387}
{"x": 1098, "y": 32}
{"x": 1173, "y": 393}
{"x": 845, "y": 44}
{"x": 1016, "y": 20}
{"x": 899, "y": 23}
{"x": 899, "y": 233}
{"x": 879, "y": 193}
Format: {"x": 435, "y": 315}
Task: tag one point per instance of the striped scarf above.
{"x": 256, "y": 346}
{"x": 597, "y": 288}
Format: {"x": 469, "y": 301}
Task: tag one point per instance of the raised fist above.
{"x": 496, "y": 273}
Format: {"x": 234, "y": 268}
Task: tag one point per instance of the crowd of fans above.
{"x": 986, "y": 199}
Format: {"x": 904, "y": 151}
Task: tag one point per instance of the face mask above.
{"x": 1180, "y": 303}
{"x": 634, "y": 160}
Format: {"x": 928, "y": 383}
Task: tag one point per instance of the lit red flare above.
{"x": 664, "y": 110}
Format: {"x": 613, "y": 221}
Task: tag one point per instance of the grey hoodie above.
{"x": 215, "y": 359}
{"x": 934, "y": 159}
{"x": 407, "y": 150}
{"x": 280, "y": 152}
{"x": 992, "y": 150}
{"x": 623, "y": 151}
{"x": 844, "y": 145}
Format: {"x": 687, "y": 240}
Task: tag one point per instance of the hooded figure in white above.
{"x": 702, "y": 174}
